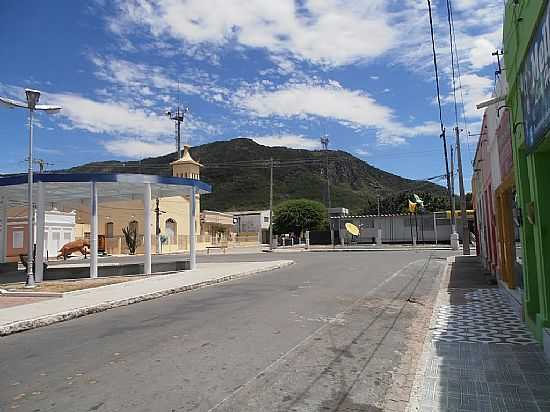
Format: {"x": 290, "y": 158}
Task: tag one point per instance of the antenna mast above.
{"x": 178, "y": 119}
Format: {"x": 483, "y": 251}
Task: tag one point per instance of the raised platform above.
{"x": 107, "y": 266}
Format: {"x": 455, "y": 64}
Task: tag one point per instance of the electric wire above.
{"x": 439, "y": 103}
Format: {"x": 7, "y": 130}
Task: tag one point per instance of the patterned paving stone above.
{"x": 483, "y": 316}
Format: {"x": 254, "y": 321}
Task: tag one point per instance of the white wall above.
{"x": 59, "y": 228}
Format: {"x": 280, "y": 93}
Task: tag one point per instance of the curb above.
{"x": 24, "y": 325}
{"x": 9, "y": 293}
{"x": 379, "y": 250}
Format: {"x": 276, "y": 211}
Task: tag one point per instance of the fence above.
{"x": 426, "y": 228}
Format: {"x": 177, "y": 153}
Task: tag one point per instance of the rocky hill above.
{"x": 238, "y": 170}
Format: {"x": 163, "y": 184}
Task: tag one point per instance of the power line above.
{"x": 466, "y": 128}
{"x": 452, "y": 60}
{"x": 443, "y": 136}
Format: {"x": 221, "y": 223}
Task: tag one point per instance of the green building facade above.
{"x": 527, "y": 64}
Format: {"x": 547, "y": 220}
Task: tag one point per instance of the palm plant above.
{"x": 130, "y": 235}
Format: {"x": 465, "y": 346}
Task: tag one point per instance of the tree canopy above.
{"x": 298, "y": 215}
{"x": 398, "y": 203}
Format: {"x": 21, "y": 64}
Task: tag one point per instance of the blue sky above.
{"x": 280, "y": 72}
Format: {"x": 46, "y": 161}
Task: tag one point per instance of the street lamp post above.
{"x": 33, "y": 96}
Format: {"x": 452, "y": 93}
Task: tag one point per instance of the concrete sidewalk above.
{"x": 84, "y": 302}
{"x": 478, "y": 354}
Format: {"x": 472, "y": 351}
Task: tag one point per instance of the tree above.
{"x": 298, "y": 215}
{"x": 469, "y": 201}
{"x": 397, "y": 203}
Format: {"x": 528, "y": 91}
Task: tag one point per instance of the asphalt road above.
{"x": 327, "y": 333}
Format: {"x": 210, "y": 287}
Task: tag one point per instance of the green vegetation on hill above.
{"x": 241, "y": 182}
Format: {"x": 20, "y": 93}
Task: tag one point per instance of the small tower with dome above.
{"x": 186, "y": 166}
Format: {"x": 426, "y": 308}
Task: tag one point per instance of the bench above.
{"x": 222, "y": 246}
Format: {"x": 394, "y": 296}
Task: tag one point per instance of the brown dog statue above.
{"x": 80, "y": 245}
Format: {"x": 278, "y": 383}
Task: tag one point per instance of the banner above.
{"x": 535, "y": 84}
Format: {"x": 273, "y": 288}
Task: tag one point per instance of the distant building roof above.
{"x": 250, "y": 212}
{"x": 338, "y": 211}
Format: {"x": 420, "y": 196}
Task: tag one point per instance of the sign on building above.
{"x": 535, "y": 84}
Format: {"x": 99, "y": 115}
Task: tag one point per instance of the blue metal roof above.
{"x": 64, "y": 186}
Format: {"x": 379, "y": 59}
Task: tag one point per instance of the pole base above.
{"x": 454, "y": 241}
{"x": 30, "y": 281}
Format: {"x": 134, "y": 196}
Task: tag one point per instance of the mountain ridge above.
{"x": 238, "y": 170}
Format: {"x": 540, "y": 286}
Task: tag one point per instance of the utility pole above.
{"x": 157, "y": 223}
{"x": 498, "y": 53}
{"x": 453, "y": 207}
{"x": 178, "y": 119}
{"x": 271, "y": 204}
{"x": 464, "y": 217}
{"x": 378, "y": 203}
{"x": 443, "y": 133}
{"x": 42, "y": 164}
{"x": 324, "y": 144}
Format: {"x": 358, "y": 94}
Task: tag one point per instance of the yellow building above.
{"x": 173, "y": 216}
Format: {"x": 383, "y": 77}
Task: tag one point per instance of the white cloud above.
{"x": 147, "y": 85}
{"x": 129, "y": 74}
{"x": 480, "y": 53}
{"x": 136, "y": 148}
{"x": 478, "y": 31}
{"x": 331, "y": 32}
{"x": 375, "y": 77}
{"x": 397, "y": 134}
{"x": 287, "y": 140}
{"x": 113, "y": 117}
{"x": 324, "y": 101}
{"x": 352, "y": 108}
{"x": 475, "y": 89}
{"x": 117, "y": 117}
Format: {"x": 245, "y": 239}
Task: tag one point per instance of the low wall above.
{"x": 79, "y": 271}
{"x": 8, "y": 267}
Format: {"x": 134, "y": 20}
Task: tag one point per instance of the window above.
{"x": 109, "y": 229}
{"x": 266, "y": 219}
{"x": 171, "y": 230}
{"x": 17, "y": 241}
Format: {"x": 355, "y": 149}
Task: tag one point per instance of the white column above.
{"x": 192, "y": 240}
{"x": 40, "y": 226}
{"x": 147, "y": 230}
{"x": 4, "y": 234}
{"x": 435, "y": 228}
{"x": 93, "y": 231}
